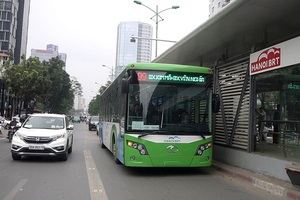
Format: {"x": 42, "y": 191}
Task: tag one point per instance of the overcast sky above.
{"x": 86, "y": 30}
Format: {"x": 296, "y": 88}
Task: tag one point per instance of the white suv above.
{"x": 43, "y": 135}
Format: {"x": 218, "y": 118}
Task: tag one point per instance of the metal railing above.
{"x": 283, "y": 141}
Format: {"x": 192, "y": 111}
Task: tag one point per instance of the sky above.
{"x": 87, "y": 31}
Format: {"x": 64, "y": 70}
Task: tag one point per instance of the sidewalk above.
{"x": 275, "y": 186}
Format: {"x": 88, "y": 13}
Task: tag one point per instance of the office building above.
{"x": 22, "y": 30}
{"x": 50, "y": 52}
{"x": 79, "y": 102}
{"x": 128, "y": 51}
{"x": 14, "y": 28}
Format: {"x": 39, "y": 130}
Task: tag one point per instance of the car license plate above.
{"x": 36, "y": 147}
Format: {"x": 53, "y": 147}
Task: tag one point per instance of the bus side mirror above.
{"x": 125, "y": 85}
{"x": 215, "y": 103}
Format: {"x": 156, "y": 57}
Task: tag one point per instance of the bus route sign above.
{"x": 174, "y": 77}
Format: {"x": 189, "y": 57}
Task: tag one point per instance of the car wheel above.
{"x": 70, "y": 149}
{"x": 15, "y": 156}
{"x": 64, "y": 157}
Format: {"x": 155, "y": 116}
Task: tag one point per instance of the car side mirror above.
{"x": 70, "y": 127}
{"x": 19, "y": 124}
{"x": 125, "y": 85}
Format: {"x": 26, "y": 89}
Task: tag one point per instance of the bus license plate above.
{"x": 36, "y": 147}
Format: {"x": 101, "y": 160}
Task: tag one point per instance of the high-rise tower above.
{"x": 138, "y": 51}
{"x": 14, "y": 27}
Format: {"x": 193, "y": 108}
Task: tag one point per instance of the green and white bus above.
{"x": 159, "y": 115}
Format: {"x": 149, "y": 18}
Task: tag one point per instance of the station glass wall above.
{"x": 279, "y": 87}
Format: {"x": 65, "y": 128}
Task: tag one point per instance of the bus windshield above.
{"x": 169, "y": 108}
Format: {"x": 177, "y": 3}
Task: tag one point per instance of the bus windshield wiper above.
{"x": 143, "y": 134}
{"x": 147, "y": 133}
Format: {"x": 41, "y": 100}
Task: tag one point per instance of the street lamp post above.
{"x": 145, "y": 38}
{"x": 156, "y": 15}
{"x": 111, "y": 73}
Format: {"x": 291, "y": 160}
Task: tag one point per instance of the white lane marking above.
{"x": 96, "y": 186}
{"x": 15, "y": 190}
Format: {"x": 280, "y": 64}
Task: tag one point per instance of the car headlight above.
{"x": 20, "y": 135}
{"x": 58, "y": 137}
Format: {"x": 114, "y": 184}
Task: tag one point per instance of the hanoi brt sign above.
{"x": 275, "y": 57}
{"x": 268, "y": 59}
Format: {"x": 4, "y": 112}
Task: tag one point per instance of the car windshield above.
{"x": 44, "y": 122}
{"x": 94, "y": 119}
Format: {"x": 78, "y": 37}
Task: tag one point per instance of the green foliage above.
{"x": 27, "y": 80}
{"x": 60, "y": 98}
{"x": 94, "y": 105}
{"x": 46, "y": 85}
{"x": 76, "y": 86}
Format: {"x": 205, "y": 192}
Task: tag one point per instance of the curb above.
{"x": 274, "y": 186}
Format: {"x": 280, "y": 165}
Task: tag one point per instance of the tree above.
{"x": 39, "y": 85}
{"x": 61, "y": 94}
{"x": 26, "y": 81}
{"x": 76, "y": 86}
{"x": 94, "y": 105}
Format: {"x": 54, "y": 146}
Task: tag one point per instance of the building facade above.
{"x": 22, "y": 30}
{"x": 50, "y": 52}
{"x": 79, "y": 103}
{"x": 14, "y": 27}
{"x": 128, "y": 51}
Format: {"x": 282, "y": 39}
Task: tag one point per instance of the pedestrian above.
{"x": 261, "y": 117}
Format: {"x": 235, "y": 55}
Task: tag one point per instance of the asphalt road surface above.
{"x": 91, "y": 173}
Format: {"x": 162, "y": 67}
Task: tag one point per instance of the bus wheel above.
{"x": 115, "y": 153}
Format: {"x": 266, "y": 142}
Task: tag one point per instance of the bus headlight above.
{"x": 202, "y": 148}
{"x": 143, "y": 152}
{"x": 140, "y": 147}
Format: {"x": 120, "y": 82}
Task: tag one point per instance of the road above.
{"x": 90, "y": 173}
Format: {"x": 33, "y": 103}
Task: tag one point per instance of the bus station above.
{"x": 252, "y": 46}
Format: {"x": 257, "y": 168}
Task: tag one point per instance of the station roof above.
{"x": 242, "y": 27}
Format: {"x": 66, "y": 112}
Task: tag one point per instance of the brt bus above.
{"x": 158, "y": 115}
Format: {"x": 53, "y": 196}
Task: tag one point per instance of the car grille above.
{"x": 38, "y": 140}
{"x": 26, "y": 150}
